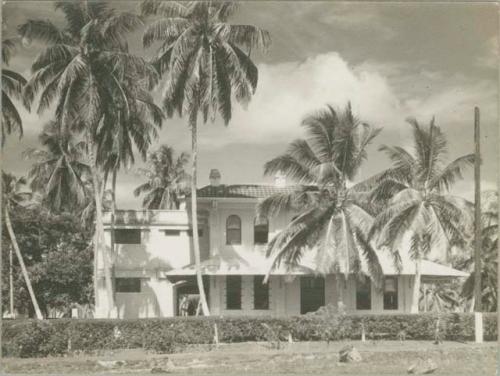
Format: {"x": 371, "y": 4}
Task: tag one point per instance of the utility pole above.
{"x": 11, "y": 283}
{"x": 477, "y": 213}
{"x": 478, "y": 316}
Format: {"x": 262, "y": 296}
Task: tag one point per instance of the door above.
{"x": 312, "y": 294}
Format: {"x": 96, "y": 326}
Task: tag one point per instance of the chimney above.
{"x": 279, "y": 179}
{"x": 214, "y": 177}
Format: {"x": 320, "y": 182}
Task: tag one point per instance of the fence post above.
{"x": 216, "y": 336}
{"x": 478, "y": 327}
{"x": 363, "y": 334}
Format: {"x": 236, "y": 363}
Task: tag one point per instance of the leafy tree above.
{"x": 416, "y": 189}
{"x": 201, "y": 57}
{"x": 12, "y": 87}
{"x": 59, "y": 170}
{"x": 332, "y": 217}
{"x": 13, "y": 199}
{"x": 86, "y": 70}
{"x": 58, "y": 260}
{"x": 167, "y": 179}
{"x": 489, "y": 256}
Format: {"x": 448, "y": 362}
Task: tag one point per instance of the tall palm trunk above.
{"x": 99, "y": 246}
{"x": 194, "y": 214}
{"x": 416, "y": 285}
{"x": 113, "y": 217}
{"x": 13, "y": 240}
{"x": 11, "y": 284}
{"x": 339, "y": 284}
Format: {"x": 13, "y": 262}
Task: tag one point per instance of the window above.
{"x": 363, "y": 294}
{"x": 233, "y": 230}
{"x": 172, "y": 232}
{"x": 260, "y": 293}
{"x": 128, "y": 236}
{"x": 190, "y": 232}
{"x": 390, "y": 293}
{"x": 233, "y": 292}
{"x": 128, "y": 284}
{"x": 260, "y": 231}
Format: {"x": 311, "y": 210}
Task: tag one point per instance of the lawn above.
{"x": 379, "y": 358}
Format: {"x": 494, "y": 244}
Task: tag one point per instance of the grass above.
{"x": 317, "y": 358}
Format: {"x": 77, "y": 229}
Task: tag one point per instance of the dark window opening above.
{"x": 390, "y": 293}
{"x": 260, "y": 293}
{"x": 128, "y": 284}
{"x": 260, "y": 231}
{"x": 363, "y": 294}
{"x": 190, "y": 233}
{"x": 233, "y": 292}
{"x": 233, "y": 230}
{"x": 128, "y": 236}
{"x": 172, "y": 232}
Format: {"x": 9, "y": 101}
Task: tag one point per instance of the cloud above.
{"x": 489, "y": 58}
{"x": 288, "y": 91}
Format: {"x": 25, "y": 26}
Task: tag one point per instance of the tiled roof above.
{"x": 242, "y": 191}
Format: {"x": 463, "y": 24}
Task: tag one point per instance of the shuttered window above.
{"x": 128, "y": 285}
{"x": 260, "y": 293}
{"x": 363, "y": 294}
{"x": 390, "y": 293}
{"x": 233, "y": 292}
{"x": 233, "y": 230}
{"x": 128, "y": 236}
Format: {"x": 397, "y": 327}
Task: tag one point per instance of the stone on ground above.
{"x": 423, "y": 367}
{"x": 349, "y": 354}
{"x": 110, "y": 363}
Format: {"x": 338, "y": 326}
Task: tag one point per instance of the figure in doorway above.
{"x": 184, "y": 306}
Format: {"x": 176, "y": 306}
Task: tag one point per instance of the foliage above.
{"x": 331, "y": 211}
{"x": 489, "y": 256}
{"x": 167, "y": 179}
{"x": 59, "y": 170}
{"x": 30, "y": 338}
{"x": 12, "y": 87}
{"x": 415, "y": 190}
{"x": 57, "y": 256}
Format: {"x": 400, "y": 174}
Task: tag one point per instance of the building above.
{"x": 153, "y": 265}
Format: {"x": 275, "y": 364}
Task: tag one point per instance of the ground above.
{"x": 318, "y": 358}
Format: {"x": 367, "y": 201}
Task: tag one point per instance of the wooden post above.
{"x": 11, "y": 284}
{"x": 216, "y": 336}
{"x": 477, "y": 214}
{"x": 363, "y": 333}
{"x": 478, "y": 319}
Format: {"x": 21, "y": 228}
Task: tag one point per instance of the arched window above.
{"x": 233, "y": 230}
{"x": 260, "y": 231}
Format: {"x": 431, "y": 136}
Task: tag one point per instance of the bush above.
{"x": 32, "y": 338}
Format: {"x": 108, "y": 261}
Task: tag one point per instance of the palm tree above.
{"x": 201, "y": 56}
{"x": 12, "y": 87}
{"x": 331, "y": 217}
{"x": 82, "y": 70}
{"x": 12, "y": 199}
{"x": 167, "y": 179}
{"x": 416, "y": 189}
{"x": 489, "y": 261}
{"x": 59, "y": 171}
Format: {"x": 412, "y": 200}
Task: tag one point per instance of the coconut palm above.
{"x": 59, "y": 170}
{"x": 84, "y": 70}
{"x": 167, "y": 179}
{"x": 13, "y": 197}
{"x": 12, "y": 87}
{"x": 201, "y": 55}
{"x": 331, "y": 217}
{"x": 489, "y": 262}
{"x": 418, "y": 203}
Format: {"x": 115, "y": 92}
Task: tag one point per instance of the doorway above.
{"x": 312, "y": 294}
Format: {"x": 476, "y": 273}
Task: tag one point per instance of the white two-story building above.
{"x": 153, "y": 264}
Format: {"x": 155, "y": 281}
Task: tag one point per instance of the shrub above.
{"x": 31, "y": 338}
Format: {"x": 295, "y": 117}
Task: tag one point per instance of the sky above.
{"x": 390, "y": 60}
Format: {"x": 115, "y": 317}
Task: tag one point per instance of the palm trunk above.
{"x": 340, "y": 294}
{"x": 11, "y": 284}
{"x": 194, "y": 215}
{"x": 13, "y": 240}
{"x": 99, "y": 246}
{"x": 416, "y": 286}
{"x": 113, "y": 216}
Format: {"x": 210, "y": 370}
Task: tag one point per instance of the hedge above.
{"x": 33, "y": 338}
